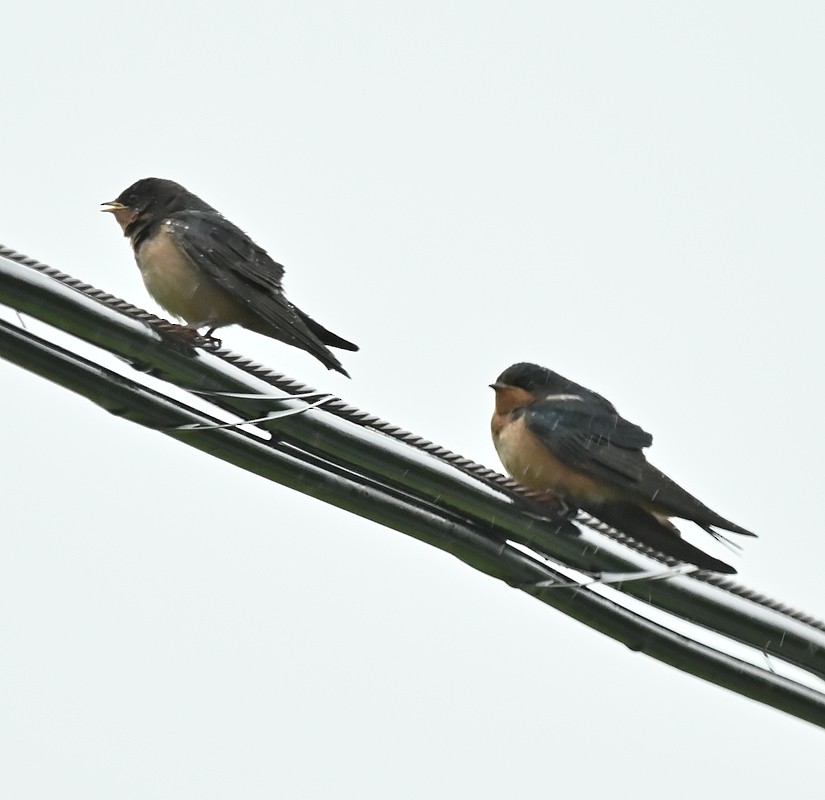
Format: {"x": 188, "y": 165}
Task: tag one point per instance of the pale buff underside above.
{"x": 530, "y": 463}
{"x": 533, "y": 465}
{"x": 177, "y": 285}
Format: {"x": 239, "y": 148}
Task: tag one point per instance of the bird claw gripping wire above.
{"x": 191, "y": 336}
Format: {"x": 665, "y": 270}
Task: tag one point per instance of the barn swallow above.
{"x": 554, "y": 435}
{"x": 204, "y": 270}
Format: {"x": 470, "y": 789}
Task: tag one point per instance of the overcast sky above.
{"x": 629, "y": 193}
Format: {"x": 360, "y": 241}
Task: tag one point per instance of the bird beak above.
{"x": 498, "y": 385}
{"x": 124, "y": 215}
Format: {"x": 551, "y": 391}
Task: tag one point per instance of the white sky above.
{"x": 629, "y": 193}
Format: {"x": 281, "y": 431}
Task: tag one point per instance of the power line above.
{"x": 372, "y": 468}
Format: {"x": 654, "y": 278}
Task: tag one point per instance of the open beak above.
{"x": 124, "y": 215}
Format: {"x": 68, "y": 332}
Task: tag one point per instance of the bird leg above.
{"x": 210, "y": 342}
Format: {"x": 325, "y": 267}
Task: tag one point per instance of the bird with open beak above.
{"x": 204, "y": 270}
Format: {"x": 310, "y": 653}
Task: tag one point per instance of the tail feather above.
{"x": 327, "y": 337}
{"x": 328, "y": 359}
{"x": 726, "y": 525}
{"x": 298, "y": 330}
{"x": 667, "y": 497}
{"x": 645, "y": 528}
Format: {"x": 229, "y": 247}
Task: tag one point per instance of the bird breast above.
{"x": 180, "y": 287}
{"x": 528, "y": 461}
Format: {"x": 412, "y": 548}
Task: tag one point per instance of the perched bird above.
{"x": 554, "y": 435}
{"x": 206, "y": 271}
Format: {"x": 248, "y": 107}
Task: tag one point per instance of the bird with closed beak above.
{"x": 204, "y": 270}
{"x": 554, "y": 435}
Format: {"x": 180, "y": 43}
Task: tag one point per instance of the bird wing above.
{"x": 225, "y": 254}
{"x": 222, "y": 249}
{"x": 591, "y": 438}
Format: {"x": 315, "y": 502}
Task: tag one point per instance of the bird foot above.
{"x": 551, "y": 503}
{"x": 211, "y": 343}
{"x": 192, "y": 336}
